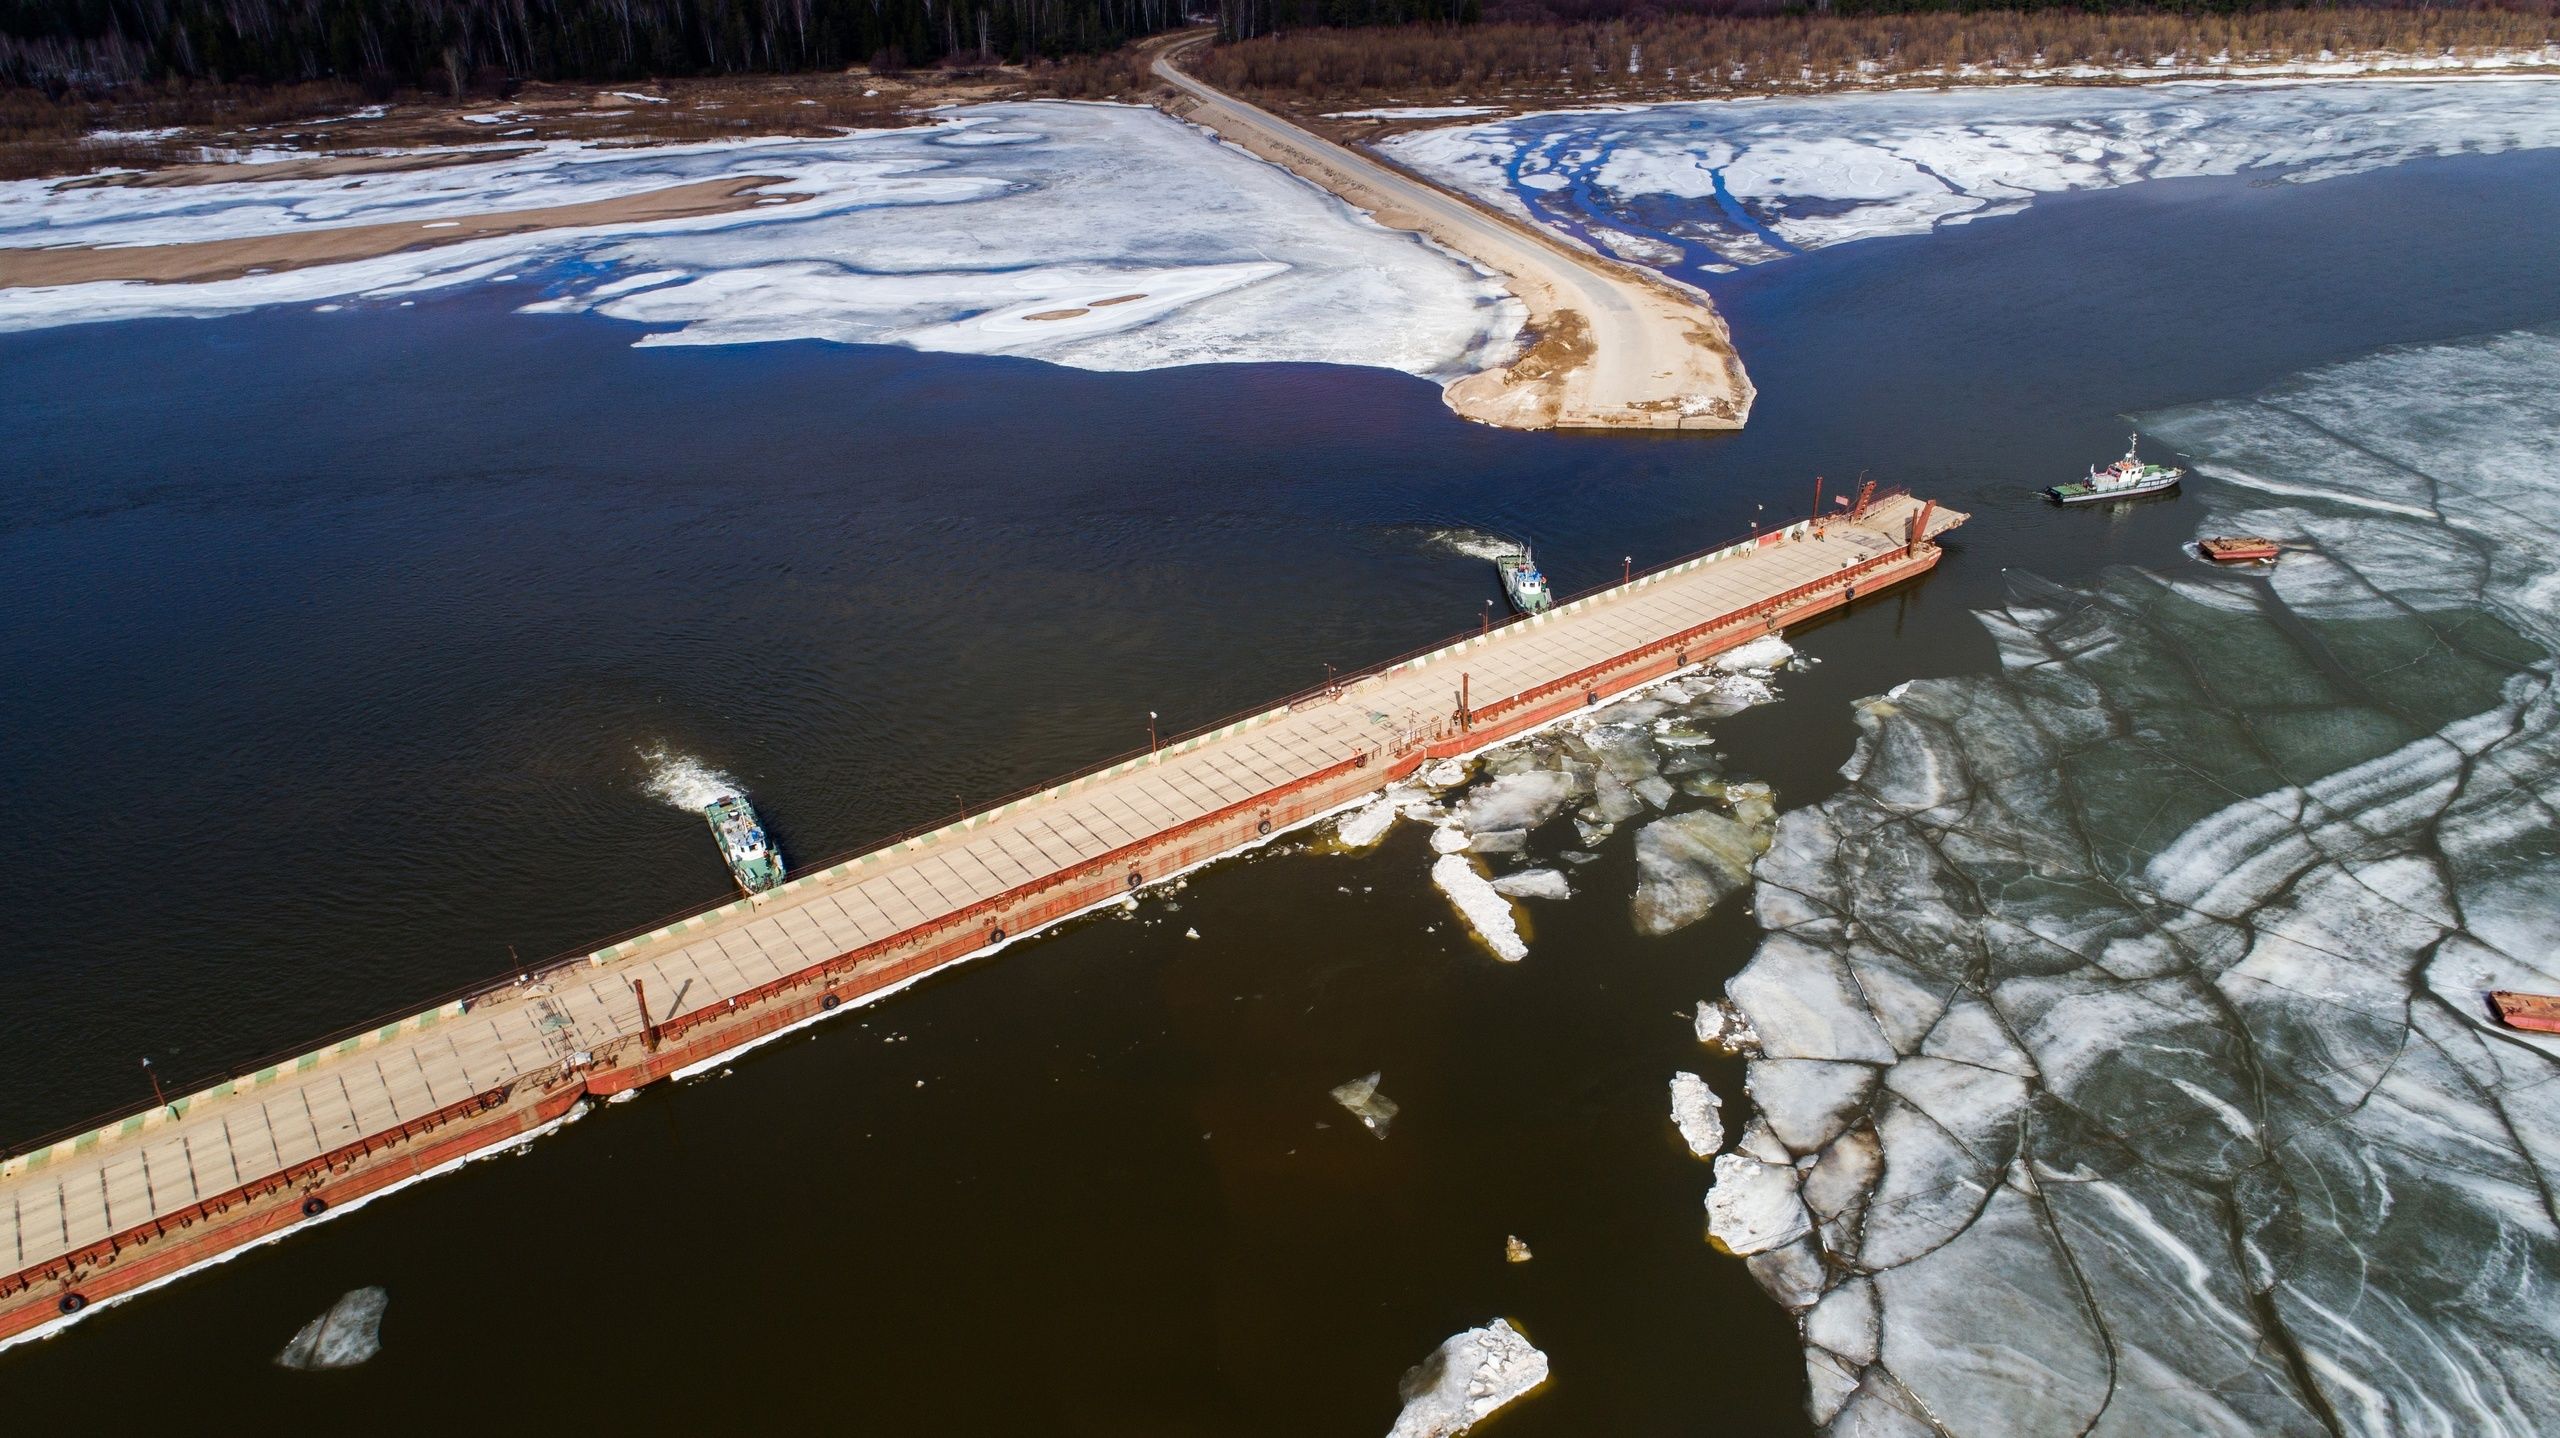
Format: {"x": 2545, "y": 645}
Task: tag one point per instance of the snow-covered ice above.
{"x": 1717, "y": 184}
{"x": 1465, "y": 1379}
{"x": 1101, "y": 236}
{"x": 1698, "y": 1114}
{"x": 1534, "y": 884}
{"x": 348, "y": 1334}
{"x": 1608, "y": 767}
{"x": 1485, "y": 909}
{"x": 1365, "y": 826}
{"x": 1688, "y": 863}
{"x": 2125, "y": 1067}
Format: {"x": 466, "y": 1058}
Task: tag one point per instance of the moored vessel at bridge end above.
{"x": 753, "y": 860}
{"x": 1522, "y": 581}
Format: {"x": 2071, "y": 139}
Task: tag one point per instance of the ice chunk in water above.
{"x": 1688, "y": 863}
{"x": 1534, "y": 884}
{"x": 1466, "y": 1379}
{"x": 1485, "y": 909}
{"x": 1753, "y": 1207}
{"x": 2125, "y": 1001}
{"x": 1369, "y": 823}
{"x": 348, "y": 1334}
{"x": 1768, "y": 652}
{"x": 1721, "y": 1025}
{"x": 1374, "y": 1109}
{"x": 1517, "y": 801}
{"x": 1698, "y": 1114}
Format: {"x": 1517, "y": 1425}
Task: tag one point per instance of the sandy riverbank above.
{"x": 231, "y": 258}
{"x": 1608, "y": 346}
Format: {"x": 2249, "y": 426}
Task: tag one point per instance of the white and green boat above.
{"x": 2124, "y": 479}
{"x": 1521, "y": 581}
{"x": 753, "y": 859}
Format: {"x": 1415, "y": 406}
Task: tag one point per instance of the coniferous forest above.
{"x": 442, "y": 44}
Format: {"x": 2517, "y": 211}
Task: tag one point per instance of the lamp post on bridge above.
{"x": 1151, "y": 733}
{"x": 154, "y": 1075}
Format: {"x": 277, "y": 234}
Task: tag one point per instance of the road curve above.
{"x": 1608, "y": 346}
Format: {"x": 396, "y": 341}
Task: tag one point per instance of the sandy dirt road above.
{"x": 202, "y": 260}
{"x": 1608, "y": 346}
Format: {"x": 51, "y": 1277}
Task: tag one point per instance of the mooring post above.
{"x": 648, "y": 1030}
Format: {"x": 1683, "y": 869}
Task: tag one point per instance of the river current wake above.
{"x": 682, "y": 780}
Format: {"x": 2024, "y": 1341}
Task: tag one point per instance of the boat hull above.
{"x": 2082, "y": 494}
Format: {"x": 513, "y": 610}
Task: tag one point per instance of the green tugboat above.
{"x": 753, "y": 859}
{"x": 2123, "y": 479}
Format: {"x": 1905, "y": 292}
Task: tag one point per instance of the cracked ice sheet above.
{"x": 2125, "y": 1009}
{"x": 1807, "y": 173}
{"x": 1169, "y": 248}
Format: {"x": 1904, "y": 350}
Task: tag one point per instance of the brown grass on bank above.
{"x": 42, "y": 136}
{"x": 1682, "y": 56}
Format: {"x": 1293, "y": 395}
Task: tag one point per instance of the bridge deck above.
{"x": 217, "y": 1145}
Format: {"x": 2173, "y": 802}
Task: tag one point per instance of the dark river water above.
{"x": 335, "y": 645}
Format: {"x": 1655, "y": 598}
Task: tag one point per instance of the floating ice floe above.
{"x": 1753, "y": 1207}
{"x": 1374, "y": 1109}
{"x": 1722, "y": 1026}
{"x": 1465, "y": 1379}
{"x": 1610, "y": 767}
{"x": 1697, "y": 1113}
{"x": 1712, "y": 185}
{"x": 1101, "y": 236}
{"x": 348, "y": 1334}
{"x": 1534, "y": 884}
{"x": 1366, "y": 825}
{"x": 1688, "y": 863}
{"x": 2124, "y": 1062}
{"x": 1484, "y": 908}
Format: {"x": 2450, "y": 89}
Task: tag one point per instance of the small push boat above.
{"x": 753, "y": 860}
{"x": 2124, "y": 479}
{"x": 2536, "y": 1013}
{"x": 2238, "y": 549}
{"x": 1521, "y": 581}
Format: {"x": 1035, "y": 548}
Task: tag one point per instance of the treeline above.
{"x": 1246, "y": 19}
{"x": 72, "y": 44}
{"x": 1671, "y": 56}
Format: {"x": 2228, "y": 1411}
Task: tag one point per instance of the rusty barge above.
{"x": 134, "y": 1201}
